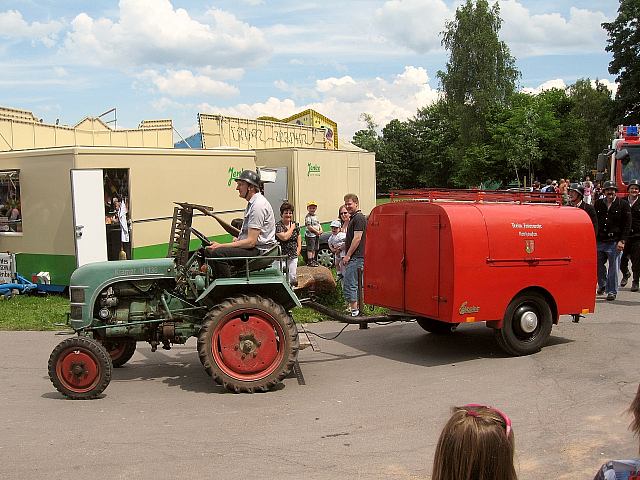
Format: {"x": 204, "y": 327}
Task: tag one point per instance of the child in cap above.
{"x": 336, "y": 245}
{"x": 312, "y": 233}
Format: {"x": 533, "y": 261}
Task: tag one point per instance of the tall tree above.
{"x": 479, "y": 80}
{"x": 481, "y": 71}
{"x": 623, "y": 42}
{"x": 592, "y": 105}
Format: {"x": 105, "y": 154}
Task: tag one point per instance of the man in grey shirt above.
{"x": 258, "y": 232}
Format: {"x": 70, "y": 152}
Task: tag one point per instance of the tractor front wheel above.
{"x": 120, "y": 350}
{"x": 526, "y": 326}
{"x": 80, "y": 368}
{"x": 248, "y": 343}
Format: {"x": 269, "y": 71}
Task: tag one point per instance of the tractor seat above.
{"x": 265, "y": 259}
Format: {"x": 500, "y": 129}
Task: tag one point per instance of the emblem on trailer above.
{"x": 464, "y": 309}
{"x": 529, "y": 246}
{"x": 313, "y": 169}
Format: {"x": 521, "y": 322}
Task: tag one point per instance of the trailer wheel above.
{"x": 248, "y": 343}
{"x": 80, "y": 368}
{"x": 527, "y": 325}
{"x": 436, "y": 327}
{"x": 120, "y": 350}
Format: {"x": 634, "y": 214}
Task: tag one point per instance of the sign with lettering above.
{"x": 7, "y": 267}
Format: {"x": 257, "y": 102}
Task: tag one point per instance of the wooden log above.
{"x": 320, "y": 279}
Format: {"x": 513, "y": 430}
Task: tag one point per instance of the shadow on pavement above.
{"x": 409, "y": 343}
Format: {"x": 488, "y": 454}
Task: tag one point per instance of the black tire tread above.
{"x": 95, "y": 348}
{"x": 237, "y": 303}
{"x": 518, "y": 348}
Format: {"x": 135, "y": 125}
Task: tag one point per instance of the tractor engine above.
{"x": 145, "y": 310}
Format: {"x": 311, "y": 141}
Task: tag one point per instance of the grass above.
{"x": 42, "y": 312}
{"x": 33, "y": 312}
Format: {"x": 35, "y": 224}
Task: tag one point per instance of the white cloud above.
{"x": 415, "y": 24}
{"x": 344, "y": 99}
{"x": 152, "y": 32}
{"x": 561, "y": 85}
{"x": 548, "y": 85}
{"x": 612, "y": 86}
{"x": 14, "y": 26}
{"x": 183, "y": 83}
{"x": 551, "y": 33}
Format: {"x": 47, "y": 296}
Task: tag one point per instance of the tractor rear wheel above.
{"x": 248, "y": 343}
{"x": 120, "y": 350}
{"x": 526, "y": 326}
{"x": 436, "y": 327}
{"x": 80, "y": 368}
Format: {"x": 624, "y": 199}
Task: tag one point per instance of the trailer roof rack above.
{"x": 475, "y": 196}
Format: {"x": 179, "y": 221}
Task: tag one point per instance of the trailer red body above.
{"x": 474, "y": 260}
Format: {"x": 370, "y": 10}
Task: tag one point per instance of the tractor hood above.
{"x": 89, "y": 280}
{"x": 96, "y": 274}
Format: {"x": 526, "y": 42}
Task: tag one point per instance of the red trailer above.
{"x": 513, "y": 260}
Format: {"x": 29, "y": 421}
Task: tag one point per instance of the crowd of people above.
{"x": 616, "y": 223}
{"x": 259, "y": 233}
{"x": 477, "y": 443}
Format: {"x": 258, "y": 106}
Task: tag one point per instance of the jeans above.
{"x": 608, "y": 279}
{"x": 350, "y": 279}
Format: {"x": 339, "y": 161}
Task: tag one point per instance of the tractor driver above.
{"x": 258, "y": 231}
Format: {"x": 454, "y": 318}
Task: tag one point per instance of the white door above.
{"x": 88, "y": 216}
{"x": 277, "y": 192}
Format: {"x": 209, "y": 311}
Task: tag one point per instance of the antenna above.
{"x": 115, "y": 117}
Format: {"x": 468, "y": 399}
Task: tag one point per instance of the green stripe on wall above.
{"x": 60, "y": 267}
{"x": 160, "y": 250}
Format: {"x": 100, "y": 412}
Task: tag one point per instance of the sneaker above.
{"x": 600, "y": 291}
{"x": 355, "y": 313}
{"x": 611, "y": 296}
{"x": 625, "y": 279}
{"x": 634, "y": 286}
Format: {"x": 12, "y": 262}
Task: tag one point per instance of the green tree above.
{"x": 478, "y": 83}
{"x": 623, "y": 42}
{"x": 593, "y": 106}
{"x": 436, "y": 133}
{"x": 368, "y": 138}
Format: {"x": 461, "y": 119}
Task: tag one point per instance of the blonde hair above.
{"x": 474, "y": 445}
{"x": 634, "y": 409}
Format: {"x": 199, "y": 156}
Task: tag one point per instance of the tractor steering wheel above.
{"x": 205, "y": 241}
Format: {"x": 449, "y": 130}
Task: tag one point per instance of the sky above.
{"x": 157, "y": 59}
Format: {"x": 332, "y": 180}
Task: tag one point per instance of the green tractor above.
{"x": 247, "y": 339}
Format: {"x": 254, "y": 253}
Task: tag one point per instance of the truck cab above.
{"x": 621, "y": 168}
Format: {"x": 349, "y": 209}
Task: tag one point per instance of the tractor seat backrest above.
{"x": 265, "y": 259}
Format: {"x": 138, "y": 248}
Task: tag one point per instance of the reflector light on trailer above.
{"x": 586, "y": 310}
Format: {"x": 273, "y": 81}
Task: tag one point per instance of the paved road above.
{"x": 372, "y": 407}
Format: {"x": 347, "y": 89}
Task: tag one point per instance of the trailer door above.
{"x": 88, "y": 216}
{"x": 422, "y": 251}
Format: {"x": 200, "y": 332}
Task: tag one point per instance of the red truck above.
{"x": 621, "y": 168}
{"x": 512, "y": 260}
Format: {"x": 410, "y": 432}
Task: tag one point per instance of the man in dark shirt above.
{"x": 354, "y": 246}
{"x": 576, "y": 197}
{"x": 614, "y": 224}
{"x": 632, "y": 245}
